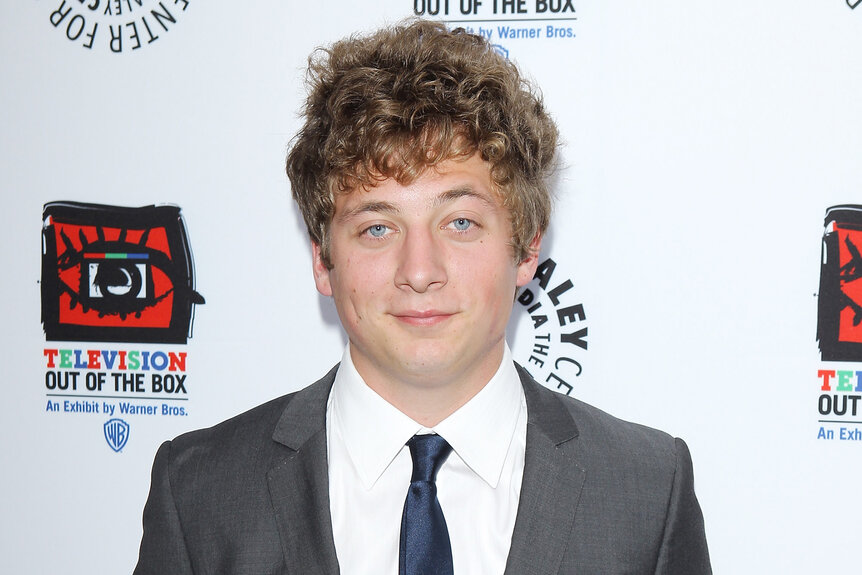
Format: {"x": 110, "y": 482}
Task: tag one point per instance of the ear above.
{"x": 321, "y": 272}
{"x": 527, "y": 267}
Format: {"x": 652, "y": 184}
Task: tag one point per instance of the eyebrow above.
{"x": 379, "y": 207}
{"x": 375, "y": 207}
{"x": 461, "y": 192}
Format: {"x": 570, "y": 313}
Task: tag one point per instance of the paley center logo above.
{"x": 116, "y": 26}
{"x": 548, "y": 329}
{"x": 116, "y": 274}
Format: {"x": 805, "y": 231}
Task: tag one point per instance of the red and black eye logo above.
{"x": 839, "y": 311}
{"x": 116, "y": 274}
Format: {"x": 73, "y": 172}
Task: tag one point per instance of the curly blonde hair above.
{"x": 406, "y": 98}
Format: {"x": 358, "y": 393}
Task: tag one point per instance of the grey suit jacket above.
{"x": 250, "y": 495}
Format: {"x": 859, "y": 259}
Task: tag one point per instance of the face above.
{"x": 423, "y": 277}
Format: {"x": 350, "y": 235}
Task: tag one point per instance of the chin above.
{"x": 428, "y": 360}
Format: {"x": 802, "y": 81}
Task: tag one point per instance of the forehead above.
{"x": 451, "y": 181}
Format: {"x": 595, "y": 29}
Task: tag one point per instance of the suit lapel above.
{"x": 551, "y": 486}
{"x": 299, "y": 483}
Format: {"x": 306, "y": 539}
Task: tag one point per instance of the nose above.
{"x": 421, "y": 263}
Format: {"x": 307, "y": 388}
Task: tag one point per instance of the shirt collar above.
{"x": 374, "y": 431}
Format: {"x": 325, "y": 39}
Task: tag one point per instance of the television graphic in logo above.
{"x": 839, "y": 304}
{"x": 116, "y": 433}
{"x": 116, "y": 274}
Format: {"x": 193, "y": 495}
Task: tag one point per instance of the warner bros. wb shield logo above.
{"x": 116, "y": 433}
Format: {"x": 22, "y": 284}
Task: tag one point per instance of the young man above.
{"x": 421, "y": 173}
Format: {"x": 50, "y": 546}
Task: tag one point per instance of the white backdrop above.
{"x": 704, "y": 142}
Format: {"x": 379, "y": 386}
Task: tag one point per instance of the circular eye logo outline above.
{"x": 112, "y": 273}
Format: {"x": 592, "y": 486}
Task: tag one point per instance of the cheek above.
{"x": 491, "y": 283}
{"x": 357, "y": 289}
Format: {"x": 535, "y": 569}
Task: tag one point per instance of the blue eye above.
{"x": 377, "y": 230}
{"x": 462, "y": 224}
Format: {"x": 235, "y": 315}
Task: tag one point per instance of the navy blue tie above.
{"x": 425, "y": 547}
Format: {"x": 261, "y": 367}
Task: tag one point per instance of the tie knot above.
{"x": 428, "y": 453}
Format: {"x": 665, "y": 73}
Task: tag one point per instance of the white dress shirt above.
{"x": 478, "y": 486}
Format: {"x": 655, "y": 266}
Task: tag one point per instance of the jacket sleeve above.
{"x": 683, "y": 549}
{"x": 163, "y": 548}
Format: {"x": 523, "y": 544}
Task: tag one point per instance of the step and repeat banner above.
{"x": 702, "y": 272}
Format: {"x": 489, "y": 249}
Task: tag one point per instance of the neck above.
{"x": 429, "y": 398}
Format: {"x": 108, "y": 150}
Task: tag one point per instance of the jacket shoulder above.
{"x": 613, "y": 434}
{"x": 637, "y": 511}
{"x": 597, "y": 432}
{"x": 247, "y": 442}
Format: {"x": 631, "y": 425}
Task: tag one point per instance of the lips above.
{"x": 422, "y": 318}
